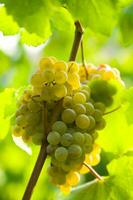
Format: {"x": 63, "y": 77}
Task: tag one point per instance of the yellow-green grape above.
{"x": 60, "y": 77}
{"x": 67, "y": 102}
{"x": 92, "y": 122}
{"x": 37, "y": 138}
{"x": 65, "y": 188}
{"x": 95, "y": 159}
{"x": 60, "y": 90}
{"x": 33, "y": 119}
{"x": 89, "y": 108}
{"x": 84, "y": 170}
{"x": 101, "y": 124}
{"x": 66, "y": 139}
{"x": 79, "y": 108}
{"x": 22, "y": 109}
{"x": 33, "y": 106}
{"x": 88, "y": 143}
{"x": 61, "y": 154}
{"x": 85, "y": 87}
{"x": 83, "y": 121}
{"x": 47, "y": 93}
{"x": 78, "y": 138}
{"x": 74, "y": 151}
{"x": 21, "y": 120}
{"x": 17, "y": 131}
{"x": 37, "y": 79}
{"x": 51, "y": 149}
{"x": 53, "y": 138}
{"x": 46, "y": 63}
{"x": 73, "y": 67}
{"x": 59, "y": 127}
{"x": 79, "y": 97}
{"x": 97, "y": 115}
{"x": 86, "y": 93}
{"x": 68, "y": 116}
{"x": 26, "y": 138}
{"x": 60, "y": 66}
{"x": 48, "y": 75}
{"x": 100, "y": 106}
{"x": 73, "y": 178}
{"x": 74, "y": 80}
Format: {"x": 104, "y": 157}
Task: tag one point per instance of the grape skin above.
{"x": 61, "y": 154}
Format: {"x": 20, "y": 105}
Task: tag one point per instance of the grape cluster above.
{"x": 84, "y": 93}
{"x": 72, "y": 138}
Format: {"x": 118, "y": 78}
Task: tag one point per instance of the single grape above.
{"x": 37, "y": 79}
{"x": 97, "y": 115}
{"x": 51, "y": 149}
{"x": 79, "y": 108}
{"x": 26, "y": 138}
{"x": 74, "y": 151}
{"x": 33, "y": 118}
{"x": 46, "y": 63}
{"x": 78, "y": 138}
{"x": 17, "y": 131}
{"x": 88, "y": 139}
{"x": 60, "y": 127}
{"x": 53, "y": 138}
{"x": 60, "y": 66}
{"x": 89, "y": 108}
{"x": 60, "y": 90}
{"x": 73, "y": 67}
{"x": 74, "y": 80}
{"x": 79, "y": 98}
{"x": 66, "y": 139}
{"x": 73, "y": 178}
{"x": 101, "y": 124}
{"x": 68, "y": 115}
{"x": 37, "y": 138}
{"x": 83, "y": 121}
{"x": 21, "y": 121}
{"x": 46, "y": 93}
{"x": 65, "y": 188}
{"x": 86, "y": 93}
{"x": 33, "y": 106}
{"x": 48, "y": 75}
{"x": 92, "y": 122}
{"x": 61, "y": 154}
{"x": 100, "y": 106}
{"x": 67, "y": 102}
{"x": 60, "y": 77}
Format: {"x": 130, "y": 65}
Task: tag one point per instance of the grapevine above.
{"x": 63, "y": 111}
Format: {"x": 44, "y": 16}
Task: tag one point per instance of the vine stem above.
{"x": 56, "y": 111}
{"x": 92, "y": 171}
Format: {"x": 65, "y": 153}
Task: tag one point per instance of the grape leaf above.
{"x": 117, "y": 136}
{"x": 126, "y": 24}
{"x": 118, "y": 186}
{"x": 100, "y": 16}
{"x": 129, "y": 105}
{"x": 7, "y": 25}
{"x": 7, "y": 102}
{"x": 32, "y": 15}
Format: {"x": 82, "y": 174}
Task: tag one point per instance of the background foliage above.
{"x": 49, "y": 25}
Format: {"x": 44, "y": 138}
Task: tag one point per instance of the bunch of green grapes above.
{"x": 100, "y": 80}
{"x": 84, "y": 94}
{"x": 72, "y": 138}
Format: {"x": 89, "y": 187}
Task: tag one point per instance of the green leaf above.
{"x": 100, "y": 16}
{"x": 129, "y": 105}
{"x": 8, "y": 105}
{"x": 32, "y": 15}
{"x": 62, "y": 37}
{"x": 126, "y": 24}
{"x": 118, "y": 186}
{"x": 7, "y": 25}
{"x": 117, "y": 136}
